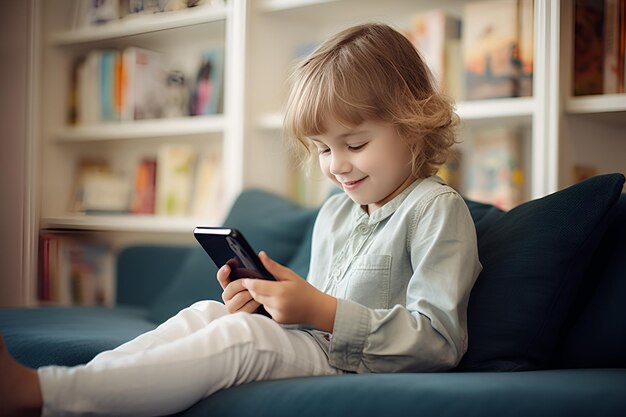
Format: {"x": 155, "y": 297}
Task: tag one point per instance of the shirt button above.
{"x": 363, "y": 229}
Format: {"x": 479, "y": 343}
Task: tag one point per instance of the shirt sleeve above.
{"x": 429, "y": 333}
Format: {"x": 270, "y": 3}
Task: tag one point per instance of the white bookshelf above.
{"x": 180, "y": 35}
{"x": 260, "y": 38}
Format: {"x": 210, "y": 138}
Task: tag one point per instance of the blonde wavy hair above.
{"x": 371, "y": 72}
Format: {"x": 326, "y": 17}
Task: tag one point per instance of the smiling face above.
{"x": 370, "y": 162}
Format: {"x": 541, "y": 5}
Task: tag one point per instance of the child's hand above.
{"x": 235, "y": 296}
{"x": 292, "y": 300}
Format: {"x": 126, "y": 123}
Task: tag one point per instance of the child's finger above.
{"x": 240, "y": 301}
{"x": 223, "y": 276}
{"x": 279, "y": 271}
{"x": 232, "y": 289}
{"x": 258, "y": 287}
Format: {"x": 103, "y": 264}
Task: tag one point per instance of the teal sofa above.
{"x": 547, "y": 316}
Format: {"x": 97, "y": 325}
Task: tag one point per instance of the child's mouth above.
{"x": 351, "y": 185}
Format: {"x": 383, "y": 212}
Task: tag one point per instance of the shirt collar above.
{"x": 390, "y": 207}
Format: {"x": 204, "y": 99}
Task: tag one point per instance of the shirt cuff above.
{"x": 350, "y": 332}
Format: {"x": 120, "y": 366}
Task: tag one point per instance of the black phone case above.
{"x": 228, "y": 246}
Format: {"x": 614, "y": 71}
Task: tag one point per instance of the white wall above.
{"x": 16, "y": 254}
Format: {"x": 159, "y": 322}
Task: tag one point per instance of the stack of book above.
{"x": 178, "y": 181}
{"x": 75, "y": 270}
{"x": 110, "y": 85}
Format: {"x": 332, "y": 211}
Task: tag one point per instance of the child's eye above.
{"x": 323, "y": 151}
{"x": 357, "y": 147}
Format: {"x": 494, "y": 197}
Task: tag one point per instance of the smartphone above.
{"x": 228, "y": 246}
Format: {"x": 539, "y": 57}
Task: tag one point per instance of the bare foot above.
{"x": 20, "y": 394}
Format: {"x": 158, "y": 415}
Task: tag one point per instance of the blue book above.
{"x": 108, "y": 85}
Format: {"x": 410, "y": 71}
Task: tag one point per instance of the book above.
{"x": 75, "y": 269}
{"x": 207, "y": 94}
{"x": 89, "y": 74}
{"x": 73, "y": 117}
{"x": 207, "y": 202}
{"x": 143, "y": 84}
{"x": 97, "y": 188}
{"x": 588, "y": 47}
{"x": 495, "y": 172}
{"x": 526, "y": 49}
{"x": 622, "y": 48}
{"x": 144, "y": 196}
{"x": 84, "y": 168}
{"x": 433, "y": 33}
{"x": 109, "y": 85}
{"x": 611, "y": 79}
{"x": 101, "y": 11}
{"x": 491, "y": 49}
{"x": 175, "y": 171}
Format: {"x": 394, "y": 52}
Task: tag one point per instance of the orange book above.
{"x": 143, "y": 200}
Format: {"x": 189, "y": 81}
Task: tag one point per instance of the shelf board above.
{"x": 519, "y": 107}
{"x": 604, "y": 103}
{"x": 142, "y": 129}
{"x": 135, "y": 25}
{"x": 276, "y": 5}
{"x": 496, "y": 108}
{"x": 125, "y": 223}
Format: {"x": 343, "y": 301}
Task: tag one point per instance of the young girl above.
{"x": 393, "y": 261}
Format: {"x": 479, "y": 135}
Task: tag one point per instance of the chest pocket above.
{"x": 368, "y": 281}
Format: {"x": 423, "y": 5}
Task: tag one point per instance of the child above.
{"x": 393, "y": 261}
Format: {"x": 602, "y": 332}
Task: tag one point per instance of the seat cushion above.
{"x": 522, "y": 394}
{"x": 534, "y": 258}
{"x": 68, "y": 335}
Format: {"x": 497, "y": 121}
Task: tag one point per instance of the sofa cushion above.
{"x": 534, "y": 258}
{"x": 68, "y": 336}
{"x": 582, "y": 392}
{"x": 597, "y": 335}
{"x": 194, "y": 281}
{"x": 269, "y": 222}
{"x": 302, "y": 258}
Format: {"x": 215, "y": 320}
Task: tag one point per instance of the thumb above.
{"x": 280, "y": 272}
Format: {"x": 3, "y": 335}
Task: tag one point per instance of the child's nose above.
{"x": 340, "y": 165}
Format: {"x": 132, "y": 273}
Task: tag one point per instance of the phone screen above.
{"x": 228, "y": 246}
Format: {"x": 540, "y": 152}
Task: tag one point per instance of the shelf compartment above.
{"x": 136, "y": 25}
{"x": 152, "y": 128}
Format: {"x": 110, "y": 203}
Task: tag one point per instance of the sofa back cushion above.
{"x": 269, "y": 222}
{"x": 596, "y": 336}
{"x": 533, "y": 258}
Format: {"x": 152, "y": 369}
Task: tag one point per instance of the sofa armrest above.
{"x": 143, "y": 271}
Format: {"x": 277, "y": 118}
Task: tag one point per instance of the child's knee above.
{"x": 259, "y": 331}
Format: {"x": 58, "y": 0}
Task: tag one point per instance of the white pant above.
{"x": 199, "y": 351}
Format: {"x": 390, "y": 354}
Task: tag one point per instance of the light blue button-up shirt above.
{"x": 402, "y": 277}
